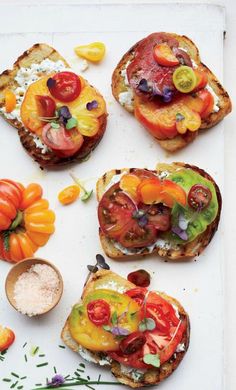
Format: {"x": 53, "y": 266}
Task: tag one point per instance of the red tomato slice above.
{"x": 202, "y": 79}
{"x": 99, "y": 312}
{"x": 46, "y": 106}
{"x": 137, "y": 294}
{"x": 115, "y": 211}
{"x": 164, "y": 56}
{"x": 156, "y": 313}
{"x": 136, "y": 236}
{"x": 132, "y": 343}
{"x": 64, "y": 142}
{"x": 158, "y": 215}
{"x": 7, "y": 337}
{"x": 64, "y": 86}
{"x": 208, "y": 102}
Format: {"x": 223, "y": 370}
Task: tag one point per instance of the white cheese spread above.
{"x": 135, "y": 374}
{"x": 88, "y": 356}
{"x": 111, "y": 285}
{"x": 126, "y": 98}
{"x": 180, "y": 347}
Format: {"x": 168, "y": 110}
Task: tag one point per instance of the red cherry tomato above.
{"x": 136, "y": 236}
{"x": 46, "y": 106}
{"x": 202, "y": 79}
{"x": 99, "y": 312}
{"x": 115, "y": 211}
{"x": 64, "y": 86}
{"x": 140, "y": 278}
{"x": 64, "y": 143}
{"x": 132, "y": 343}
{"x": 208, "y": 102}
{"x": 7, "y": 337}
{"x": 199, "y": 197}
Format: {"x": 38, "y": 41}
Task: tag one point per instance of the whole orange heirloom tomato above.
{"x": 26, "y": 222}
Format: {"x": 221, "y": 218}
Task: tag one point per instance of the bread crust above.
{"x": 151, "y": 377}
{"x": 180, "y": 141}
{"x": 188, "y": 250}
{"x": 36, "y": 54}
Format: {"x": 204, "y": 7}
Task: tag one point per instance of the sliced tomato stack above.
{"x": 136, "y": 209}
{"x": 162, "y": 340}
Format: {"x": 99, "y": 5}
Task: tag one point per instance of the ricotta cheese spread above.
{"x": 135, "y": 374}
{"x": 126, "y": 97}
{"x": 88, "y": 356}
{"x": 180, "y": 347}
{"x": 216, "y": 98}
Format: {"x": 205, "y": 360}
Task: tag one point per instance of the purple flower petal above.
{"x": 143, "y": 86}
{"x": 117, "y": 331}
{"x": 64, "y": 112}
{"x": 91, "y": 105}
{"x": 180, "y": 233}
{"x": 56, "y": 381}
{"x": 167, "y": 95}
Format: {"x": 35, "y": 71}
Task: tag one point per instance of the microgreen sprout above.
{"x": 87, "y": 194}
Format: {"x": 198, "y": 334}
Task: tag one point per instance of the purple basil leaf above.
{"x": 64, "y": 112}
{"x": 180, "y": 233}
{"x": 167, "y": 95}
{"x": 92, "y": 268}
{"x": 117, "y": 331}
{"x": 91, "y": 105}
{"x": 143, "y": 86}
{"x": 51, "y": 83}
{"x": 143, "y": 221}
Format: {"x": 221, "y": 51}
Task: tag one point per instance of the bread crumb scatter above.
{"x": 35, "y": 290}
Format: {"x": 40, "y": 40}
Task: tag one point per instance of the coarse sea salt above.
{"x": 35, "y": 289}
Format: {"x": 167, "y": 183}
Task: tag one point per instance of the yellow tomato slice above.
{"x": 184, "y": 79}
{"x": 95, "y": 338}
{"x": 87, "y": 95}
{"x": 129, "y": 184}
{"x": 88, "y": 125}
{"x": 10, "y": 100}
{"x": 93, "y": 52}
{"x": 187, "y": 119}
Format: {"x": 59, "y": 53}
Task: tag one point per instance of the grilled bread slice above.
{"x": 34, "y": 147}
{"x": 188, "y": 250}
{"x": 150, "y": 377}
{"x": 119, "y": 84}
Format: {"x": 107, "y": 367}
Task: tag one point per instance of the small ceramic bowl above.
{"x": 24, "y": 266}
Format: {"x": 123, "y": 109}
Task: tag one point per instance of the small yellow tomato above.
{"x": 69, "y": 194}
{"x": 184, "y": 79}
{"x": 93, "y": 52}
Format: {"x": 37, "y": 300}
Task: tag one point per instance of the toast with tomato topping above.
{"x": 145, "y": 83}
{"x": 29, "y": 103}
{"x": 173, "y": 211}
{"x": 124, "y": 366}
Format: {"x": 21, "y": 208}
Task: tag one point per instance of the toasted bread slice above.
{"x": 44, "y": 156}
{"x": 188, "y": 250}
{"x": 150, "y": 377}
{"x": 180, "y": 141}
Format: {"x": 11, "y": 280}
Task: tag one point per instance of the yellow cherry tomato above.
{"x": 129, "y": 184}
{"x": 93, "y": 52}
{"x": 88, "y": 125}
{"x": 187, "y": 119}
{"x": 69, "y": 194}
{"x": 10, "y": 100}
{"x": 184, "y": 79}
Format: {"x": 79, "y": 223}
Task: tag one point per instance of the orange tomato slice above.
{"x": 164, "y": 56}
{"x": 10, "y": 100}
{"x": 129, "y": 184}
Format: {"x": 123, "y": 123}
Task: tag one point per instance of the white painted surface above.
{"x": 197, "y": 284}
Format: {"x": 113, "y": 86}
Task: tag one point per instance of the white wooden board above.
{"x": 198, "y": 284}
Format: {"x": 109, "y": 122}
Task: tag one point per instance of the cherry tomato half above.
{"x": 132, "y": 343}
{"x": 46, "y": 106}
{"x": 98, "y": 312}
{"x": 64, "y": 86}
{"x": 199, "y": 197}
{"x": 140, "y": 278}
{"x": 164, "y": 56}
{"x": 64, "y": 142}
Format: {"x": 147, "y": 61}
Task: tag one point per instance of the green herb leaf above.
{"x": 153, "y": 360}
{"x": 147, "y": 324}
{"x": 114, "y": 318}
{"x": 72, "y": 122}
{"x": 87, "y": 195}
{"x": 107, "y": 328}
{"x": 55, "y": 125}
